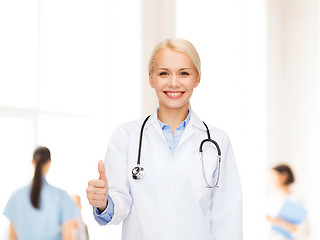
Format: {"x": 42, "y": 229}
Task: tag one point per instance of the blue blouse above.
{"x": 173, "y": 141}
{"x": 56, "y": 207}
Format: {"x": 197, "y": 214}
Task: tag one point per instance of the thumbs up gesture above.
{"x": 97, "y": 190}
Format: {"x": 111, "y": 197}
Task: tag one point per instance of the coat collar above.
{"x": 194, "y": 120}
{"x": 152, "y": 120}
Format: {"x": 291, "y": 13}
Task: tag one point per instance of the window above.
{"x": 68, "y": 69}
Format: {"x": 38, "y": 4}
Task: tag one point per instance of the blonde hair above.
{"x": 180, "y": 45}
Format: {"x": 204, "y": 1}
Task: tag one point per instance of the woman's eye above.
{"x": 163, "y": 74}
{"x": 184, "y": 73}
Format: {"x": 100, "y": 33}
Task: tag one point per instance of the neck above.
{"x": 172, "y": 117}
{"x": 285, "y": 189}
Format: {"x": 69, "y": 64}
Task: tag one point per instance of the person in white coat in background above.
{"x": 287, "y": 215}
{"x": 170, "y": 192}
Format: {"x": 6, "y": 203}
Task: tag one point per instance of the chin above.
{"x": 175, "y": 106}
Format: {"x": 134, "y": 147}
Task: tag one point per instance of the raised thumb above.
{"x": 102, "y": 171}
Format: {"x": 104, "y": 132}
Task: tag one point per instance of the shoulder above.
{"x": 58, "y": 191}
{"x": 128, "y": 129}
{"x": 222, "y": 138}
{"x": 136, "y": 125}
{"x": 56, "y": 194}
{"x": 218, "y": 132}
{"x": 215, "y": 133}
{"x": 20, "y": 192}
{"x": 61, "y": 198}
{"x": 294, "y": 197}
{"x": 63, "y": 204}
{"x": 129, "y": 126}
{"x": 17, "y": 199}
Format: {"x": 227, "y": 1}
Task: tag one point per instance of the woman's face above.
{"x": 174, "y": 77}
{"x": 278, "y": 179}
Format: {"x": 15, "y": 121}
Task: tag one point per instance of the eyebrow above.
{"x": 168, "y": 69}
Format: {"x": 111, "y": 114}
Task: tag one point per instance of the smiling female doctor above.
{"x": 169, "y": 191}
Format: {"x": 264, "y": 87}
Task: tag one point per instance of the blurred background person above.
{"x": 287, "y": 215}
{"x": 79, "y": 228}
{"x": 39, "y": 210}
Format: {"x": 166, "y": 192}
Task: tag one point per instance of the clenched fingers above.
{"x": 98, "y": 183}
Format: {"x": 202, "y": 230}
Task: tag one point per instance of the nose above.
{"x": 174, "y": 81}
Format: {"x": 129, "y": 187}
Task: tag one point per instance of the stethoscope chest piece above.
{"x": 137, "y": 172}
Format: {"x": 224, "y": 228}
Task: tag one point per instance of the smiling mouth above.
{"x": 174, "y": 94}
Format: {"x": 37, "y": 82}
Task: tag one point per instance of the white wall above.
{"x": 293, "y": 96}
{"x": 158, "y": 23}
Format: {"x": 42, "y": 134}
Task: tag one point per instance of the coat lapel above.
{"x": 154, "y": 122}
{"x": 194, "y": 123}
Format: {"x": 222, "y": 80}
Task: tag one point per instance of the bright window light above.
{"x": 71, "y": 75}
{"x": 18, "y": 50}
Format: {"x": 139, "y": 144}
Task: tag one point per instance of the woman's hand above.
{"x": 66, "y": 229}
{"x": 97, "y": 191}
{"x": 282, "y": 223}
{"x": 12, "y": 234}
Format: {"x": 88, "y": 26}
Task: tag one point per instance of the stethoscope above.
{"x": 138, "y": 171}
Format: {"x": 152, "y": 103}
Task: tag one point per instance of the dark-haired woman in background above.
{"x": 39, "y": 210}
{"x": 287, "y": 214}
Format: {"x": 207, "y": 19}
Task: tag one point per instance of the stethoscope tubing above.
{"x": 138, "y": 171}
{"x": 140, "y": 141}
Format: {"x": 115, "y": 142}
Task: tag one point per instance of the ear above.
{"x": 284, "y": 178}
{"x": 197, "y": 81}
{"x": 151, "y": 80}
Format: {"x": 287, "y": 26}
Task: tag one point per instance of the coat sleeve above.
{"x": 226, "y": 209}
{"x": 116, "y": 164}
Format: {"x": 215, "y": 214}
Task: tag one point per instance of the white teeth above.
{"x": 174, "y": 93}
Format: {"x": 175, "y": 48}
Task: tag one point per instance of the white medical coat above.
{"x": 171, "y": 201}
